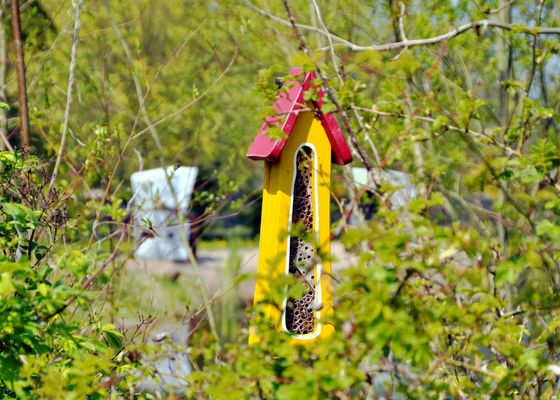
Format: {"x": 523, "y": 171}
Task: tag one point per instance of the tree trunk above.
{"x": 20, "y": 71}
{"x": 3, "y": 64}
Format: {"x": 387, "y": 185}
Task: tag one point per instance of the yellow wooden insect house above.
{"x": 296, "y": 196}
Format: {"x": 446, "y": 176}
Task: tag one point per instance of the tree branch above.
{"x": 69, "y": 90}
{"x": 479, "y": 135}
{"x": 404, "y": 43}
{"x": 20, "y": 72}
{"x": 3, "y": 67}
{"x": 141, "y": 97}
{"x": 329, "y": 90}
{"x": 481, "y": 24}
{"x": 334, "y": 60}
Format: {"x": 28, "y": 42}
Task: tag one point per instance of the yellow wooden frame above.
{"x": 274, "y": 243}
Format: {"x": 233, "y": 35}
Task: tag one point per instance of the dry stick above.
{"x": 141, "y": 98}
{"x": 329, "y": 90}
{"x": 151, "y": 127}
{"x": 71, "y": 73}
{"x": 189, "y": 104}
{"x": 20, "y": 72}
{"x": 401, "y": 23}
{"x": 480, "y": 24}
{"x": 533, "y": 70}
{"x": 6, "y": 142}
{"x": 181, "y": 223}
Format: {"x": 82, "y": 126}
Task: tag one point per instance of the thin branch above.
{"x": 475, "y": 368}
{"x": 6, "y": 142}
{"x": 331, "y": 44}
{"x": 334, "y": 58}
{"x": 69, "y": 90}
{"x": 135, "y": 135}
{"x": 341, "y": 42}
{"x": 87, "y": 283}
{"x": 478, "y": 135}
{"x": 137, "y": 86}
{"x": 192, "y": 102}
{"x": 341, "y": 80}
{"x": 329, "y": 90}
{"x": 482, "y": 24}
{"x": 401, "y": 22}
{"x": 500, "y": 8}
{"x": 288, "y": 24}
{"x": 534, "y": 48}
{"x": 401, "y": 31}
{"x": 194, "y": 263}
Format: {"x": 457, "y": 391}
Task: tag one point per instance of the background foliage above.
{"x": 455, "y": 296}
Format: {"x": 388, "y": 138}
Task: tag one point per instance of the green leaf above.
{"x": 546, "y": 227}
{"x": 328, "y": 107}
{"x": 6, "y": 285}
{"x": 114, "y": 337}
{"x": 506, "y": 272}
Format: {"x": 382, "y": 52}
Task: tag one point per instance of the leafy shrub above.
{"x": 46, "y": 351}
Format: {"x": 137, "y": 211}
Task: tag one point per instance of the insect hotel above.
{"x": 295, "y": 225}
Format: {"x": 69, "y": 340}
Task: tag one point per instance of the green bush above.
{"x": 51, "y": 345}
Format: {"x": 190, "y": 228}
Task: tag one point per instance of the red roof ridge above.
{"x": 286, "y": 110}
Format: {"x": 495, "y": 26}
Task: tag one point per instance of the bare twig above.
{"x": 534, "y": 48}
{"x": 287, "y": 23}
{"x": 341, "y": 79}
{"x": 341, "y": 42}
{"x": 474, "y": 368}
{"x": 69, "y": 90}
{"x": 330, "y": 91}
{"x": 500, "y": 8}
{"x": 401, "y": 22}
{"x": 401, "y": 30}
{"x": 331, "y": 44}
{"x": 478, "y": 135}
{"x": 190, "y": 255}
{"x": 481, "y": 24}
{"x": 6, "y": 142}
{"x": 190, "y": 103}
{"x": 87, "y": 283}
{"x": 334, "y": 58}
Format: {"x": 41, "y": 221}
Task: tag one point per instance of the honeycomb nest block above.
{"x": 300, "y": 313}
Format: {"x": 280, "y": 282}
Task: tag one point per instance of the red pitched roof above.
{"x": 286, "y": 109}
